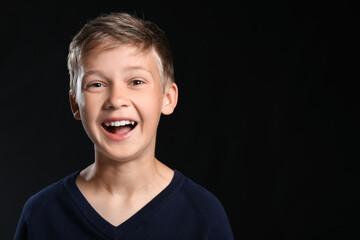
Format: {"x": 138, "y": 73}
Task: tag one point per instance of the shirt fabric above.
{"x": 183, "y": 210}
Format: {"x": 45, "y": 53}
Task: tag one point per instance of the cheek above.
{"x": 89, "y": 112}
{"x": 149, "y": 105}
{"x": 154, "y": 98}
{"x": 89, "y": 107}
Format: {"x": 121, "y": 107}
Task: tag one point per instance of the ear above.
{"x": 170, "y": 98}
{"x": 74, "y": 106}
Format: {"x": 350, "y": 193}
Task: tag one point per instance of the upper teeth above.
{"x": 119, "y": 123}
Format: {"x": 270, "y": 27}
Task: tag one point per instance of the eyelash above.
{"x": 136, "y": 82}
{"x": 96, "y": 85}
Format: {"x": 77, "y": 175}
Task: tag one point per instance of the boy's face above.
{"x": 121, "y": 101}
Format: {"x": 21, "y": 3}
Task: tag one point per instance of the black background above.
{"x": 265, "y": 119}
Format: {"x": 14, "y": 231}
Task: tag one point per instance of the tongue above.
{"x": 122, "y": 130}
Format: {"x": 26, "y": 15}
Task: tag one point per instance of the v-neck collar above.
{"x": 131, "y": 224}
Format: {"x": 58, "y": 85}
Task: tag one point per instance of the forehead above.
{"x": 111, "y": 54}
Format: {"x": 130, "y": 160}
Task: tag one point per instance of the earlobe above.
{"x": 77, "y": 115}
{"x": 74, "y": 106}
{"x": 170, "y": 98}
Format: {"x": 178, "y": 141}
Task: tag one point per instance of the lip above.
{"x": 118, "y": 137}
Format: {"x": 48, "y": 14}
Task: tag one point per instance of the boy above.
{"x": 121, "y": 81}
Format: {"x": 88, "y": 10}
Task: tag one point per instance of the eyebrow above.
{"x": 87, "y": 73}
{"x": 136, "y": 67}
{"x": 127, "y": 69}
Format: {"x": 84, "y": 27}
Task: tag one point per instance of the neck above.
{"x": 128, "y": 177}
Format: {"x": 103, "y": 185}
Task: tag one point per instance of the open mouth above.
{"x": 119, "y": 127}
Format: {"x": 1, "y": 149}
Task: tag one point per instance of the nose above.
{"x": 117, "y": 98}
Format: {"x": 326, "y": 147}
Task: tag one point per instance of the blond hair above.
{"x": 119, "y": 29}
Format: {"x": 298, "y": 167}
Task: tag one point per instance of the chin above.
{"x": 117, "y": 156}
{"x": 120, "y": 154}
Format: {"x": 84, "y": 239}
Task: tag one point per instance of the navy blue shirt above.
{"x": 183, "y": 210}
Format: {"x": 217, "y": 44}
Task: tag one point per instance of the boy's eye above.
{"x": 137, "y": 82}
{"x": 97, "y": 85}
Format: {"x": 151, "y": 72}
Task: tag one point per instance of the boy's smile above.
{"x": 121, "y": 101}
{"x": 119, "y": 129}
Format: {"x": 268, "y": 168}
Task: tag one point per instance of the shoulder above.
{"x": 45, "y": 197}
{"x": 209, "y": 209}
{"x": 201, "y": 198}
